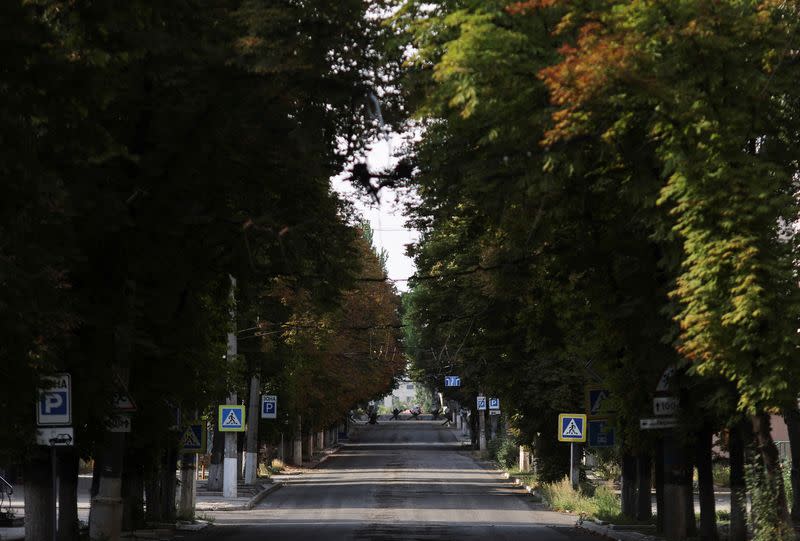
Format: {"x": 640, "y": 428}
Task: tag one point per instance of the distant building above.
{"x": 403, "y": 396}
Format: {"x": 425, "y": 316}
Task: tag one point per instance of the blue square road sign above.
{"x": 231, "y": 418}
{"x": 600, "y": 433}
{"x": 572, "y": 427}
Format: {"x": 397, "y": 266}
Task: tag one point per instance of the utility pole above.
{"x": 251, "y": 445}
{"x": 482, "y": 422}
{"x": 230, "y": 478}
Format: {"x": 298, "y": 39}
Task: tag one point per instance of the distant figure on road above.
{"x": 373, "y": 417}
{"x": 435, "y": 413}
{"x": 395, "y": 414}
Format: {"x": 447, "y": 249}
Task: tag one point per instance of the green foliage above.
{"x": 150, "y": 151}
{"x": 764, "y": 516}
{"x": 607, "y": 185}
{"x": 504, "y": 450}
{"x": 721, "y": 473}
{"x": 608, "y": 467}
{"x": 608, "y": 504}
{"x": 602, "y": 504}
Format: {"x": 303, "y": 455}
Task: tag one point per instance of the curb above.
{"x": 610, "y": 533}
{"x": 192, "y": 526}
{"x": 529, "y": 489}
{"x": 252, "y": 502}
{"x": 255, "y": 500}
{"x": 329, "y": 452}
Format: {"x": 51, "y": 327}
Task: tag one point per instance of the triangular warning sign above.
{"x": 190, "y": 439}
{"x": 231, "y": 419}
{"x": 598, "y": 401}
{"x": 572, "y": 429}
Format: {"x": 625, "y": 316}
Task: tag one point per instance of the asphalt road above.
{"x": 406, "y": 480}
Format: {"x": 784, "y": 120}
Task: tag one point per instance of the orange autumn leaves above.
{"x": 595, "y": 59}
{"x": 346, "y": 355}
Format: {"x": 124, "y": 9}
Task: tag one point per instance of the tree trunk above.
{"x": 239, "y": 456}
{"x": 169, "y": 484}
{"x": 68, "y": 527}
{"x": 38, "y": 498}
{"x": 188, "y": 499}
{"x": 215, "y": 466}
{"x": 792, "y": 417}
{"x": 705, "y": 482}
{"x": 675, "y": 492}
{"x": 691, "y": 520}
{"x": 297, "y": 443}
{"x": 308, "y": 449}
{"x": 152, "y": 492}
{"x": 738, "y": 527}
{"x": 132, "y": 494}
{"x": 106, "y": 514}
{"x": 251, "y": 446}
{"x": 628, "y": 487}
{"x": 770, "y": 459}
{"x": 644, "y": 504}
{"x": 482, "y": 430}
{"x": 659, "y": 482}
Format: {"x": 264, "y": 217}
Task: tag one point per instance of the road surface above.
{"x": 397, "y": 480}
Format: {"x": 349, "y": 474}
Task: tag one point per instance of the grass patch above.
{"x": 562, "y": 497}
{"x": 594, "y": 502}
{"x": 608, "y": 504}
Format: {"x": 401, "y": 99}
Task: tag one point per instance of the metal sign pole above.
{"x": 55, "y": 488}
{"x": 572, "y": 464}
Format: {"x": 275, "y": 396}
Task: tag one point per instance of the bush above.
{"x": 608, "y": 469}
{"x": 722, "y": 474}
{"x": 504, "y": 451}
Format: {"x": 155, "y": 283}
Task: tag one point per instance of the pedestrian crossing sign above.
{"x": 231, "y": 418}
{"x": 572, "y": 427}
{"x": 193, "y": 439}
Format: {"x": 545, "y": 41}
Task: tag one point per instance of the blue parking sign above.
{"x": 269, "y": 406}
{"x": 54, "y": 406}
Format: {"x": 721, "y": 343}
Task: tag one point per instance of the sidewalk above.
{"x": 249, "y": 497}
